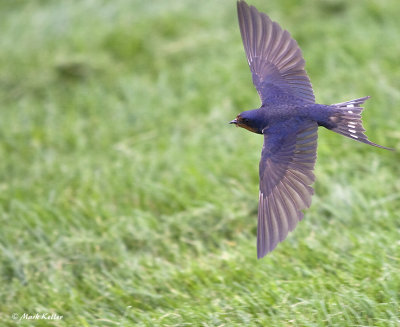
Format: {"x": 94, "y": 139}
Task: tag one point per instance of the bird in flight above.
{"x": 289, "y": 119}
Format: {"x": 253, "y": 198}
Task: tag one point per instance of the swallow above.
{"x": 288, "y": 118}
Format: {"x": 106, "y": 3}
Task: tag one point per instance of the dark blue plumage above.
{"x": 289, "y": 119}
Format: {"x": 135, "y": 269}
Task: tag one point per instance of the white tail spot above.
{"x": 352, "y": 130}
{"x": 349, "y": 111}
{"x": 351, "y": 125}
{"x": 350, "y": 105}
{"x": 352, "y": 135}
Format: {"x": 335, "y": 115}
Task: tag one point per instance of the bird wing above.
{"x": 286, "y": 173}
{"x": 274, "y": 57}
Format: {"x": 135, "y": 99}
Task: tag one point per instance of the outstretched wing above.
{"x": 274, "y": 57}
{"x": 286, "y": 173}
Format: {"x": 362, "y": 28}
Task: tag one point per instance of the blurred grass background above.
{"x": 127, "y": 200}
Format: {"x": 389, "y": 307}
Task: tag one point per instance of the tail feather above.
{"x": 347, "y": 121}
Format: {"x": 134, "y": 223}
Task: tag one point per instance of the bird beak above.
{"x": 233, "y": 121}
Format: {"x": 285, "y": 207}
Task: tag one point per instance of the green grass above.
{"x": 127, "y": 200}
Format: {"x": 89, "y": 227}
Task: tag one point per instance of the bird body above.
{"x": 288, "y": 118}
{"x": 283, "y": 115}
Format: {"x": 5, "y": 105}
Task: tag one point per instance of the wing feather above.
{"x": 286, "y": 173}
{"x": 273, "y": 55}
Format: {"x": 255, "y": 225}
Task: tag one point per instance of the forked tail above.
{"x": 346, "y": 120}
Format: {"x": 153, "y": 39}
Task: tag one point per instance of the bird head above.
{"x": 247, "y": 121}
